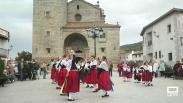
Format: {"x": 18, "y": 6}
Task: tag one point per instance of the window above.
{"x": 47, "y": 33}
{"x": 77, "y": 7}
{"x": 47, "y": 13}
{"x": 78, "y": 17}
{"x": 170, "y": 58}
{"x": 149, "y": 43}
{"x": 136, "y": 56}
{"x": 156, "y": 55}
{"x": 159, "y": 54}
{"x": 48, "y": 50}
{"x": 103, "y": 50}
{"x": 169, "y": 28}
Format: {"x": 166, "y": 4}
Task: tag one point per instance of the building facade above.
{"x": 131, "y": 52}
{"x": 136, "y": 56}
{"x": 59, "y": 26}
{"x": 163, "y": 38}
{"x": 4, "y": 43}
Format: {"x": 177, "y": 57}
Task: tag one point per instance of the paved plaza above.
{"x": 42, "y": 91}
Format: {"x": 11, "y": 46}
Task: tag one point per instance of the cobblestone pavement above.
{"x": 42, "y": 91}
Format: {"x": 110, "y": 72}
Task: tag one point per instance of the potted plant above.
{"x": 168, "y": 71}
{"x": 2, "y": 76}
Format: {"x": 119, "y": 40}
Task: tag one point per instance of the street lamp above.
{"x": 181, "y": 41}
{"x": 9, "y": 49}
{"x": 95, "y": 32}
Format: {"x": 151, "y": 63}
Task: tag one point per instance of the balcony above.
{"x": 4, "y": 34}
{"x": 3, "y": 52}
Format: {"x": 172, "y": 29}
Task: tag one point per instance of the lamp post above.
{"x": 181, "y": 41}
{"x": 9, "y": 49}
{"x": 181, "y": 47}
{"x": 94, "y": 32}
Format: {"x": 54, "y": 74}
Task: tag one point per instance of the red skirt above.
{"x": 104, "y": 82}
{"x": 56, "y": 76}
{"x": 129, "y": 75}
{"x": 86, "y": 79}
{"x": 72, "y": 82}
{"x": 138, "y": 76}
{"x": 53, "y": 70}
{"x": 144, "y": 76}
{"x": 149, "y": 76}
{"x": 62, "y": 76}
{"x": 124, "y": 73}
{"x": 92, "y": 79}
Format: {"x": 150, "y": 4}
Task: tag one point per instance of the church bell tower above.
{"x": 49, "y": 16}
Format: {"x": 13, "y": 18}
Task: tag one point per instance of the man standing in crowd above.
{"x": 110, "y": 68}
{"x": 30, "y": 70}
{"x": 120, "y": 68}
{"x": 21, "y": 66}
{"x": 44, "y": 68}
{"x": 11, "y": 71}
{"x": 35, "y": 68}
{"x": 162, "y": 68}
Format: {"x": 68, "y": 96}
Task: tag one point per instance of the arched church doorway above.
{"x": 78, "y": 43}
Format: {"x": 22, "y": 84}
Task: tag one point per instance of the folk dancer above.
{"x": 63, "y": 71}
{"x": 104, "y": 83}
{"x": 137, "y": 75}
{"x": 124, "y": 74}
{"x": 53, "y": 70}
{"x": 93, "y": 74}
{"x": 72, "y": 84}
{"x": 58, "y": 68}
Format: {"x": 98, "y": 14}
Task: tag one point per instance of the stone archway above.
{"x": 78, "y": 43}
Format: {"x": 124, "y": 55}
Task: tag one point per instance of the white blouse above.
{"x": 104, "y": 66}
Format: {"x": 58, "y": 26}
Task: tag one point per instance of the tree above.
{"x": 27, "y": 56}
{"x": 1, "y": 66}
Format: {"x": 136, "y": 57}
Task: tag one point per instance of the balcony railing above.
{"x": 4, "y": 34}
{"x": 3, "y": 52}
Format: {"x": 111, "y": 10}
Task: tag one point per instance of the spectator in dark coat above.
{"x": 21, "y": 67}
{"x": 176, "y": 68}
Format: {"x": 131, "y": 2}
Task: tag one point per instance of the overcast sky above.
{"x": 132, "y": 15}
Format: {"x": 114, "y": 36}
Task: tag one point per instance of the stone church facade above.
{"x": 59, "y": 26}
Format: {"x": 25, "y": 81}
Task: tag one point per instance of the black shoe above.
{"x": 71, "y": 99}
{"x": 58, "y": 88}
{"x": 87, "y": 86}
{"x": 106, "y": 95}
{"x": 91, "y": 87}
{"x": 96, "y": 90}
{"x": 63, "y": 94}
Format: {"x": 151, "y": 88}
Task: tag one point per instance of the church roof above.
{"x": 172, "y": 11}
{"x": 89, "y": 24}
{"x": 95, "y": 6}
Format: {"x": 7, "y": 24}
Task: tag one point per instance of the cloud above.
{"x": 16, "y": 17}
{"x": 133, "y": 15}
